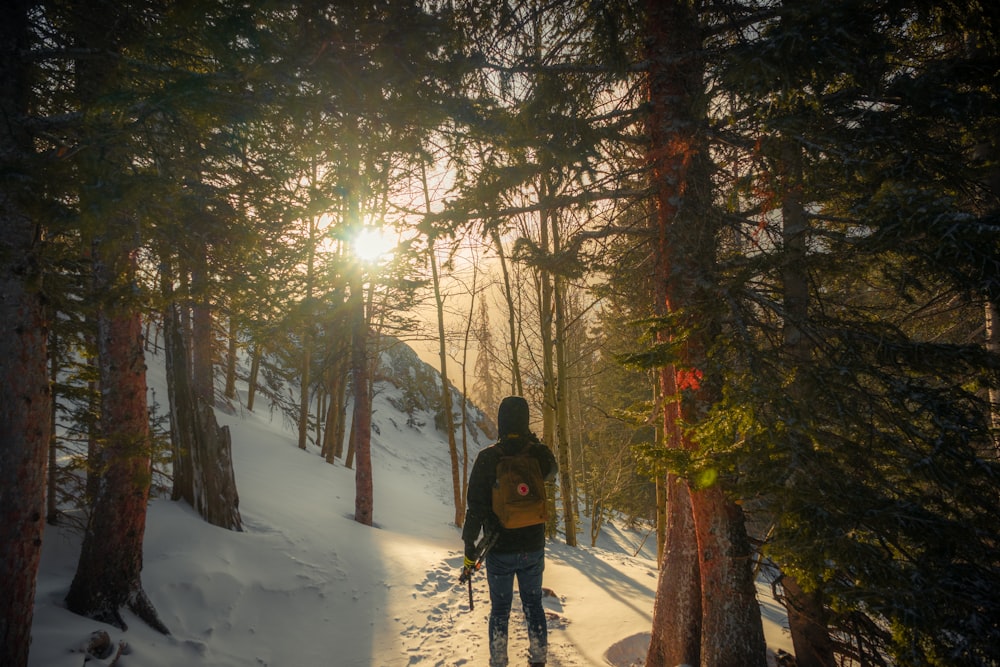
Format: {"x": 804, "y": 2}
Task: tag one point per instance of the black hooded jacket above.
{"x": 479, "y": 513}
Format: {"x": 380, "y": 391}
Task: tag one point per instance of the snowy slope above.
{"x": 306, "y": 586}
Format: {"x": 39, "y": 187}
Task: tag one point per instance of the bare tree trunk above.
{"x": 352, "y": 439}
{"x": 516, "y": 385}
{"x": 216, "y": 497}
{"x": 202, "y": 450}
{"x": 181, "y": 399}
{"x": 258, "y": 351}
{"x": 560, "y": 391}
{"x": 94, "y": 408}
{"x": 305, "y": 377}
{"x": 333, "y": 435}
{"x": 231, "y": 354}
{"x": 52, "y": 491}
{"x": 361, "y": 424}
{"x": 317, "y": 421}
{"x": 108, "y": 573}
{"x": 361, "y": 421}
{"x": 446, "y": 406}
{"x": 25, "y": 403}
{"x": 543, "y": 286}
{"x": 677, "y": 612}
{"x": 202, "y": 344}
{"x": 336, "y": 417}
{"x": 465, "y": 385}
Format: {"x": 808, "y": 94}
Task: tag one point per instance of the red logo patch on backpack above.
{"x": 519, "y": 491}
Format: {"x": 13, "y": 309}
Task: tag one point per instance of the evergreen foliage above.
{"x": 238, "y": 146}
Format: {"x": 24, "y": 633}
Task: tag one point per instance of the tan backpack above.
{"x": 519, "y": 491}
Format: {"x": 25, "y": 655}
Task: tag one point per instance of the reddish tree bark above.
{"x": 729, "y": 624}
{"x": 676, "y": 633}
{"x": 732, "y": 634}
{"x": 108, "y": 573}
{"x": 25, "y": 402}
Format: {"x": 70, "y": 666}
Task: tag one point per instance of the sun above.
{"x": 372, "y": 245}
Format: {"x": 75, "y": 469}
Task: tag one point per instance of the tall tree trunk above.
{"x": 108, "y": 573}
{"x": 333, "y": 435}
{"x": 203, "y": 462}
{"x": 807, "y": 617}
{"x": 484, "y": 360}
{"x": 987, "y": 151}
{"x": 181, "y": 399}
{"x": 465, "y": 382}
{"x": 93, "y": 426}
{"x": 202, "y": 343}
{"x": 305, "y": 372}
{"x": 361, "y": 423}
{"x": 543, "y": 285}
{"x": 516, "y": 385}
{"x": 255, "y": 355}
{"x": 546, "y": 336}
{"x": 25, "y": 403}
{"x": 992, "y": 336}
{"x": 231, "y": 353}
{"x": 446, "y": 407}
{"x": 52, "y": 491}
{"x": 661, "y": 484}
{"x": 336, "y": 417}
{"x": 807, "y": 622}
{"x": 732, "y": 634}
{"x": 566, "y": 485}
{"x": 202, "y": 450}
{"x": 676, "y": 633}
{"x": 730, "y": 626}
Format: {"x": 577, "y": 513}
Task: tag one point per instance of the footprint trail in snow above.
{"x": 446, "y": 633}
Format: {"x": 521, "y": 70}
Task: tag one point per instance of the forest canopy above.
{"x": 742, "y": 255}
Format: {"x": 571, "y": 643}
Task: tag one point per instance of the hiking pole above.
{"x": 482, "y": 548}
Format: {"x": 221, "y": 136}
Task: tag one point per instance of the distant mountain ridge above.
{"x": 419, "y": 386}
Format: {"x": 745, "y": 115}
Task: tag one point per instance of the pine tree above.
{"x": 847, "y": 397}
{"x": 729, "y": 625}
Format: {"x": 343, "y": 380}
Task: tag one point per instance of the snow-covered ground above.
{"x": 305, "y": 586}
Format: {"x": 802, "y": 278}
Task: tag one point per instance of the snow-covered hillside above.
{"x": 306, "y": 586}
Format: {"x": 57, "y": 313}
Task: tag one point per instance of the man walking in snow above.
{"x": 518, "y": 552}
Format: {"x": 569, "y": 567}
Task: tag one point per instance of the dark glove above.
{"x": 468, "y": 567}
{"x": 469, "y": 562}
